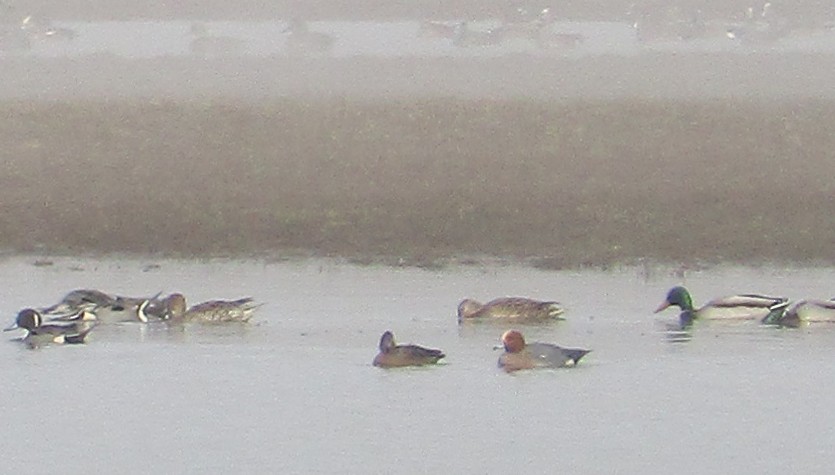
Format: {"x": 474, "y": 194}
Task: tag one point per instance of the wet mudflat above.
{"x": 296, "y": 391}
{"x": 568, "y": 183}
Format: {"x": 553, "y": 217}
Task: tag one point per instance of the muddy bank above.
{"x": 569, "y": 183}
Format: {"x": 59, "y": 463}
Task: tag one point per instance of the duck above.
{"x": 804, "y": 311}
{"x": 511, "y": 308}
{"x": 107, "y": 308}
{"x": 392, "y": 355}
{"x": 213, "y": 311}
{"x": 465, "y": 36}
{"x": 759, "y": 26}
{"x": 69, "y": 329}
{"x": 734, "y": 307}
{"x": 519, "y": 355}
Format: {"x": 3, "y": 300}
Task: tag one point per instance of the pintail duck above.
{"x": 520, "y": 355}
{"x": 735, "y": 307}
{"x": 107, "y": 308}
{"x": 213, "y": 311}
{"x": 393, "y": 356}
{"x": 802, "y": 312}
{"x": 511, "y": 308}
{"x": 71, "y": 329}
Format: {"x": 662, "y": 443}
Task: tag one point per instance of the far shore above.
{"x": 423, "y": 182}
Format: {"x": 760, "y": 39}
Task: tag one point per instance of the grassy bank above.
{"x": 571, "y": 183}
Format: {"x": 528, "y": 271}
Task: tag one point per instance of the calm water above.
{"x": 296, "y": 393}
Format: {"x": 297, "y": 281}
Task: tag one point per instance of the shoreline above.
{"x": 562, "y": 184}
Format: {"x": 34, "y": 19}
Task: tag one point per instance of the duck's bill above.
{"x": 661, "y": 307}
{"x": 11, "y": 327}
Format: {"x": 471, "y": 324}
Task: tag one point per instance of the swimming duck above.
{"x": 513, "y": 308}
{"x": 107, "y": 308}
{"x": 213, "y": 311}
{"x": 804, "y": 311}
{"x": 71, "y": 329}
{"x": 393, "y": 356}
{"x": 520, "y": 355}
{"x": 735, "y": 307}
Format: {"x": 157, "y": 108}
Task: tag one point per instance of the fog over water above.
{"x": 639, "y": 51}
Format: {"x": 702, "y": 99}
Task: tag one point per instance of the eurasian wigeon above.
{"x": 519, "y": 355}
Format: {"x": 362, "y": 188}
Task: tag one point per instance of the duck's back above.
{"x": 408, "y": 355}
{"x": 740, "y": 307}
{"x": 521, "y": 308}
{"x": 221, "y": 311}
{"x": 553, "y": 356}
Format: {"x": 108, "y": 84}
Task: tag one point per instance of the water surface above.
{"x": 296, "y": 392}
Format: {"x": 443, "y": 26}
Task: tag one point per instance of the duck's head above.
{"x": 175, "y": 305}
{"x": 28, "y": 319}
{"x": 387, "y": 342}
{"x": 677, "y": 297}
{"x": 513, "y": 341}
{"x": 467, "y": 308}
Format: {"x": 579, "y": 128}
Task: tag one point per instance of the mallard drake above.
{"x": 520, "y": 355}
{"x": 71, "y": 329}
{"x": 512, "y": 308}
{"x": 735, "y": 307}
{"x": 392, "y": 355}
{"x": 213, "y": 311}
{"x": 804, "y": 311}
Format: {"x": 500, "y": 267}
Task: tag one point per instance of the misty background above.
{"x": 578, "y": 133}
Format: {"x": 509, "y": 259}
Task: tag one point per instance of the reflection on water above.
{"x": 300, "y": 382}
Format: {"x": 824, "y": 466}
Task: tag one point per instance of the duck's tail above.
{"x": 555, "y": 310}
{"x": 78, "y": 338}
{"x": 777, "y": 314}
{"x": 575, "y": 354}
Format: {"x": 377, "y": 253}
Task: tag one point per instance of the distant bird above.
{"x": 804, "y": 312}
{"x": 43, "y": 29}
{"x": 393, "y": 356}
{"x": 735, "y": 307}
{"x": 759, "y": 27}
{"x": 465, "y": 36}
{"x": 509, "y": 308}
{"x": 301, "y": 40}
{"x": 213, "y": 311}
{"x": 519, "y": 355}
{"x": 71, "y": 329}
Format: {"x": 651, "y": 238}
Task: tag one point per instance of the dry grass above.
{"x": 571, "y": 183}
